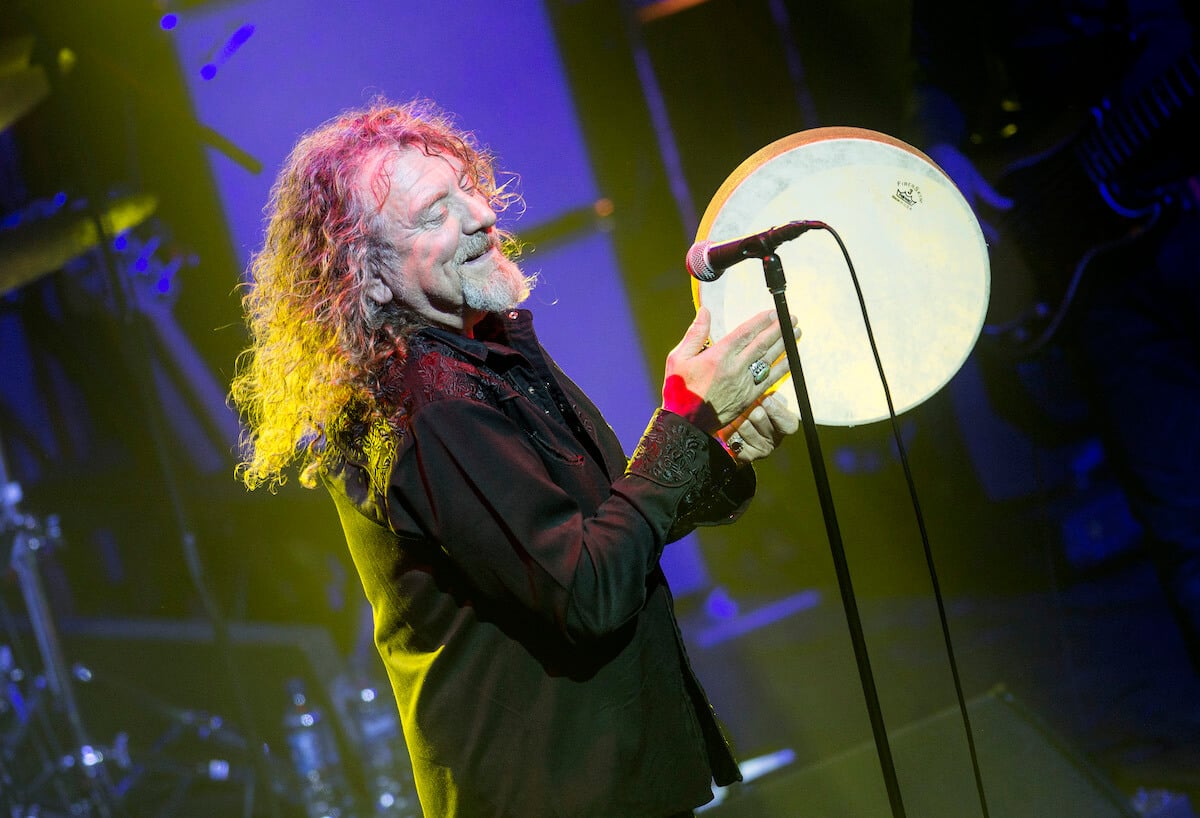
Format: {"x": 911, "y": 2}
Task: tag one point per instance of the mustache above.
{"x": 476, "y": 247}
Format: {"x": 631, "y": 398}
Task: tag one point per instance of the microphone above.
{"x": 706, "y": 261}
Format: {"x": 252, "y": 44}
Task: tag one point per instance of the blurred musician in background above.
{"x": 1095, "y": 231}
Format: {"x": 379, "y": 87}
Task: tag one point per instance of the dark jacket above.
{"x": 510, "y": 554}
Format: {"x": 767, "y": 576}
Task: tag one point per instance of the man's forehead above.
{"x": 395, "y": 172}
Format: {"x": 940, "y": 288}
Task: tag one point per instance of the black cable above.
{"x": 916, "y": 504}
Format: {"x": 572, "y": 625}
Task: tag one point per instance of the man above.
{"x": 508, "y": 548}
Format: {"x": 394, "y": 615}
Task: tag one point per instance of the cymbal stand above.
{"x": 132, "y": 344}
{"x": 28, "y": 537}
{"x": 777, "y": 285}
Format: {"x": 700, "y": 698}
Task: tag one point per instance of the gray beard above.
{"x": 497, "y": 293}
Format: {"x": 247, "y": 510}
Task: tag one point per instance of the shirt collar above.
{"x": 503, "y": 334}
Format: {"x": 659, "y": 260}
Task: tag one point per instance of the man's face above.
{"x": 451, "y": 269}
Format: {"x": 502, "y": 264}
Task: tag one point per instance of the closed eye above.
{"x": 435, "y": 213}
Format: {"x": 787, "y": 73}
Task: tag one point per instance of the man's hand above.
{"x": 974, "y": 187}
{"x": 712, "y": 386}
{"x": 758, "y": 432}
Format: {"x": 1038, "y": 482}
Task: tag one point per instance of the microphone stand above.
{"x": 777, "y": 284}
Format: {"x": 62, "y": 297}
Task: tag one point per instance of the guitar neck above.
{"x": 1119, "y": 133}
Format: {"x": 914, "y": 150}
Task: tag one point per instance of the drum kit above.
{"x": 51, "y": 763}
{"x": 47, "y": 758}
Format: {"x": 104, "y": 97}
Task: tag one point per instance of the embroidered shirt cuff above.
{"x": 675, "y": 454}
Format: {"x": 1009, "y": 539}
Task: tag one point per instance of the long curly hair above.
{"x": 318, "y": 343}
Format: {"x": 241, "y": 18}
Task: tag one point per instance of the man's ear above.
{"x": 378, "y": 289}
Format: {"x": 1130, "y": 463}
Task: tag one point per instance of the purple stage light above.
{"x": 168, "y": 22}
{"x": 235, "y": 41}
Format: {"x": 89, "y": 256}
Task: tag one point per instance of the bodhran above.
{"x": 916, "y": 246}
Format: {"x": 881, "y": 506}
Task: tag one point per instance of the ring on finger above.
{"x": 736, "y": 444}
{"x": 759, "y": 370}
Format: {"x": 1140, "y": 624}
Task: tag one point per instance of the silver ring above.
{"x": 759, "y": 370}
{"x": 735, "y": 443}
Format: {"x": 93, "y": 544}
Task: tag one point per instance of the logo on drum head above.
{"x": 907, "y": 194}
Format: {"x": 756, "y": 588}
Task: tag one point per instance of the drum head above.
{"x": 916, "y": 246}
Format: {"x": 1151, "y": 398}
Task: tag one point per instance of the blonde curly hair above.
{"x": 318, "y": 343}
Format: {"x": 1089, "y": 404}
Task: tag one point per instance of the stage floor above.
{"x": 1095, "y": 662}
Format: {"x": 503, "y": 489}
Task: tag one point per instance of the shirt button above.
{"x": 513, "y": 315}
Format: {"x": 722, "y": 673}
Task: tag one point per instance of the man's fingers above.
{"x": 756, "y": 338}
{"x": 697, "y": 333}
{"x": 754, "y": 330}
{"x": 778, "y": 371}
{"x": 768, "y": 344}
{"x": 758, "y": 427}
{"x": 783, "y": 420}
{"x": 761, "y": 429}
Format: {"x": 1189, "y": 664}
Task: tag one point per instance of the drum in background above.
{"x": 917, "y": 249}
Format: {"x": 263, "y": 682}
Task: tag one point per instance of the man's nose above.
{"x": 480, "y": 215}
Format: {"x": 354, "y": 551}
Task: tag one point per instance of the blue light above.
{"x": 237, "y": 39}
{"x": 168, "y": 21}
{"x": 720, "y": 605}
{"x": 60, "y": 199}
{"x": 164, "y": 285}
{"x": 121, "y": 241}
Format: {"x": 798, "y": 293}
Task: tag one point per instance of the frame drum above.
{"x": 917, "y": 249}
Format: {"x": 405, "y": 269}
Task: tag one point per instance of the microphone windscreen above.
{"x": 698, "y": 264}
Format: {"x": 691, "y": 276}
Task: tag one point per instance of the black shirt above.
{"x": 510, "y": 553}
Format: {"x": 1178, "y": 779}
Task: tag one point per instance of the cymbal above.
{"x": 32, "y": 250}
{"x": 916, "y": 246}
{"x": 20, "y": 92}
{"x": 21, "y": 86}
